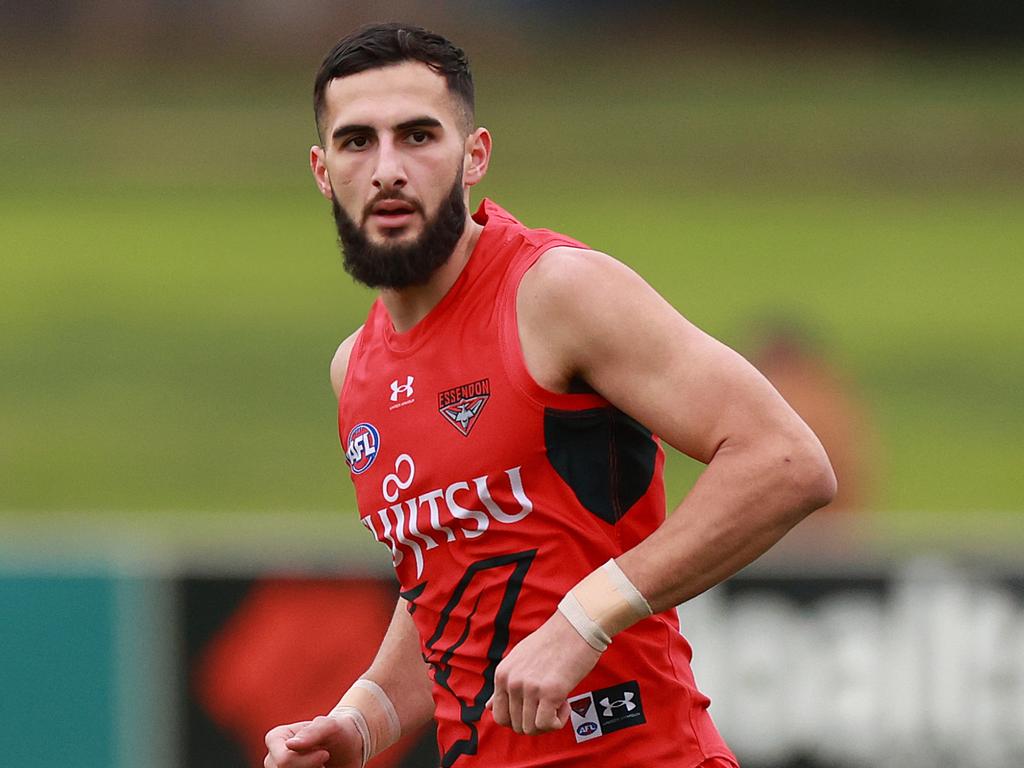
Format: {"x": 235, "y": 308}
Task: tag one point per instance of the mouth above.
{"x": 392, "y": 213}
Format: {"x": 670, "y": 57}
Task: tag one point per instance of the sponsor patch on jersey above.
{"x": 607, "y": 710}
{"x": 583, "y": 714}
{"x": 462, "y": 405}
{"x": 402, "y": 393}
{"x": 361, "y": 447}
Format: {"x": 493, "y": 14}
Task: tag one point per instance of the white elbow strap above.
{"x": 373, "y": 714}
{"x": 603, "y": 604}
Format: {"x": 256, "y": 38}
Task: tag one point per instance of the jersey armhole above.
{"x": 511, "y": 345}
{"x": 353, "y": 354}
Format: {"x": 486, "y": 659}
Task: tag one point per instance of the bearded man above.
{"x": 501, "y": 412}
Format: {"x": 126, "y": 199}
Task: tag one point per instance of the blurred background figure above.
{"x": 791, "y": 358}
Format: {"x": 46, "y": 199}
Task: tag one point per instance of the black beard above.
{"x": 402, "y": 265}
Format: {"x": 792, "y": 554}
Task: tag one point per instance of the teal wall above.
{"x": 57, "y": 670}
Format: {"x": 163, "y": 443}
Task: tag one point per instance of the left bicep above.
{"x": 648, "y": 360}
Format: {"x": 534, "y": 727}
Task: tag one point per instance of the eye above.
{"x": 418, "y": 137}
{"x": 356, "y": 142}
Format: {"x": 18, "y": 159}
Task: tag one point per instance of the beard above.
{"x": 402, "y": 265}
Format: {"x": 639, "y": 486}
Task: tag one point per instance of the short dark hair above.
{"x": 382, "y": 45}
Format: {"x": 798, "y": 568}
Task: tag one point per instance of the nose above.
{"x": 390, "y": 171}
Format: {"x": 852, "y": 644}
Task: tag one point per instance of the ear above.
{"x": 477, "y": 157}
{"x": 318, "y": 165}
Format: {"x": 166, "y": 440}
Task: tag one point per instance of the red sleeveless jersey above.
{"x": 495, "y": 497}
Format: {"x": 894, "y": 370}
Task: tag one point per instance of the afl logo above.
{"x": 586, "y": 729}
{"x": 361, "y": 448}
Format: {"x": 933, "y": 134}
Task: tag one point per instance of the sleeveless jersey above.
{"x": 495, "y": 497}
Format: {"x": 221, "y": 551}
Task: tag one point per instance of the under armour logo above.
{"x": 606, "y": 710}
{"x": 401, "y": 389}
{"x": 626, "y": 701}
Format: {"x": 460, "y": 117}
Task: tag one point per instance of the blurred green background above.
{"x": 172, "y": 292}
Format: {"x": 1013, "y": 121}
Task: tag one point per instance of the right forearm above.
{"x": 400, "y": 671}
{"x": 391, "y": 699}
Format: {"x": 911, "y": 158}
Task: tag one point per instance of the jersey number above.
{"x": 494, "y": 619}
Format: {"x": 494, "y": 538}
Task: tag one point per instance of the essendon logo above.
{"x": 582, "y": 705}
{"x": 462, "y": 405}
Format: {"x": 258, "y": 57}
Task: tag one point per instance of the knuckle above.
{"x": 553, "y": 692}
{"x": 272, "y": 736}
{"x": 322, "y": 722}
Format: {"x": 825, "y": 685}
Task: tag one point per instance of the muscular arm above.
{"x": 398, "y": 667}
{"x": 400, "y": 670}
{"x": 766, "y": 470}
{"x": 583, "y": 314}
{"x": 335, "y": 741}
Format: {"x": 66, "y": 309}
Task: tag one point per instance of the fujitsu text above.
{"x": 466, "y": 508}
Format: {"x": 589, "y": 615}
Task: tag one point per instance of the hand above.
{"x": 326, "y": 742}
{"x": 532, "y": 683}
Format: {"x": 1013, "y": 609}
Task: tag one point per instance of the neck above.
{"x": 407, "y": 306}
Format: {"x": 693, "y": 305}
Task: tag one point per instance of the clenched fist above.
{"x": 532, "y": 683}
{"x": 326, "y": 742}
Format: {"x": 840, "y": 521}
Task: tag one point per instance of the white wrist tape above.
{"x": 373, "y": 715}
{"x": 603, "y": 604}
{"x": 359, "y": 721}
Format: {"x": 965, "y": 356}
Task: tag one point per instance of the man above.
{"x": 497, "y": 411}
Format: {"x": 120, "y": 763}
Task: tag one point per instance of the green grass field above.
{"x": 173, "y": 294}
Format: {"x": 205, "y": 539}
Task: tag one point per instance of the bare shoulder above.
{"x": 576, "y": 283}
{"x": 559, "y": 300}
{"x": 572, "y": 304}
{"x": 339, "y": 365}
{"x": 562, "y": 271}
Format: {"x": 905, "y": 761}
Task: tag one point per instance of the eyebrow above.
{"x": 405, "y": 125}
{"x": 345, "y": 130}
{"x": 419, "y": 122}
